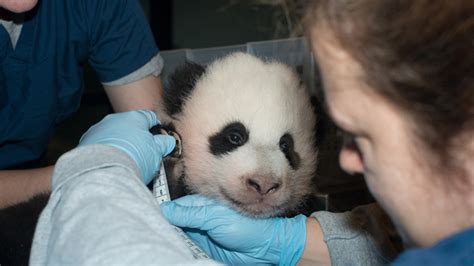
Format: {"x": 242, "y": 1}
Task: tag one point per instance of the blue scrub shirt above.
{"x": 457, "y": 249}
{"x": 41, "y": 79}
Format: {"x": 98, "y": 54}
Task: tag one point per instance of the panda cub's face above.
{"x": 247, "y": 129}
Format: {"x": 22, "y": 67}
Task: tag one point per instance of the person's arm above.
{"x": 118, "y": 222}
{"x": 20, "y": 185}
{"x": 362, "y": 236}
{"x": 123, "y": 53}
{"x": 100, "y": 212}
{"x": 141, "y": 94}
{"x": 315, "y": 251}
{"x": 359, "y": 237}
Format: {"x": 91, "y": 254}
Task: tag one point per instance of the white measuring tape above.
{"x": 162, "y": 194}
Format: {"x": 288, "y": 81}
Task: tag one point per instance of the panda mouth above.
{"x": 231, "y": 199}
{"x": 260, "y": 208}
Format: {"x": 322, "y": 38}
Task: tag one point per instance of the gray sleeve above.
{"x": 100, "y": 213}
{"x": 363, "y": 236}
{"x": 153, "y": 67}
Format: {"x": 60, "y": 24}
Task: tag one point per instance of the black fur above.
{"x": 287, "y": 146}
{"x": 180, "y": 85}
{"x": 17, "y": 227}
{"x": 228, "y": 139}
{"x": 177, "y": 186}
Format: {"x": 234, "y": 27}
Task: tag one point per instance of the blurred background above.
{"x": 190, "y": 24}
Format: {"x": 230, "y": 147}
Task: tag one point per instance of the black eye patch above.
{"x": 228, "y": 139}
{"x": 287, "y": 146}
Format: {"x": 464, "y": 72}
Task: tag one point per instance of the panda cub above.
{"x": 247, "y": 129}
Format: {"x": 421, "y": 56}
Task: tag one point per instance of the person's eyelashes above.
{"x": 348, "y": 139}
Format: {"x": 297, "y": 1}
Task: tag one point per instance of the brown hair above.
{"x": 417, "y": 53}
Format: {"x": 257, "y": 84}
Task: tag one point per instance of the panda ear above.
{"x": 180, "y": 86}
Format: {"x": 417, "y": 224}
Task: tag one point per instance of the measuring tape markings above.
{"x": 161, "y": 193}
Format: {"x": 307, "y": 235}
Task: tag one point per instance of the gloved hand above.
{"x": 129, "y": 131}
{"x": 232, "y": 238}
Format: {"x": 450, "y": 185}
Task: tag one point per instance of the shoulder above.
{"x": 457, "y": 249}
{"x": 95, "y": 10}
{"x": 90, "y": 12}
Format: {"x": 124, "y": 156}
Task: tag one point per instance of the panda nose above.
{"x": 263, "y": 186}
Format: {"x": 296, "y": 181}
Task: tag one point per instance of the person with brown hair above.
{"x": 398, "y": 77}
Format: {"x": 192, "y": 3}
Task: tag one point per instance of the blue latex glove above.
{"x": 232, "y": 238}
{"x": 129, "y": 131}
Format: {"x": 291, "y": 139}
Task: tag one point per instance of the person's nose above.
{"x": 350, "y": 159}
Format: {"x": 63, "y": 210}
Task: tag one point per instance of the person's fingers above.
{"x": 196, "y": 211}
{"x": 150, "y": 116}
{"x": 195, "y": 200}
{"x": 184, "y": 216}
{"x": 164, "y": 143}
